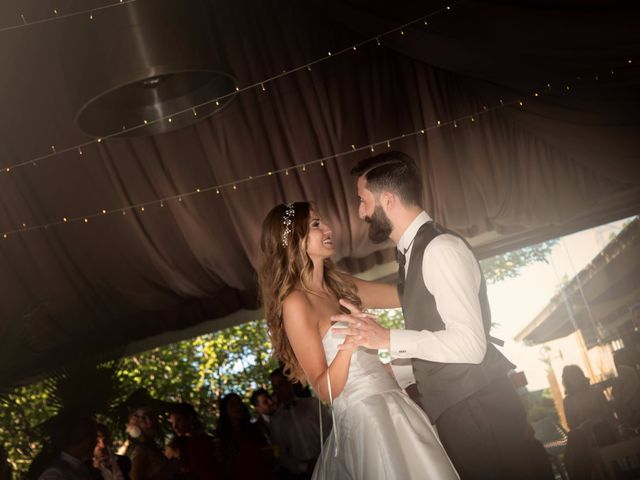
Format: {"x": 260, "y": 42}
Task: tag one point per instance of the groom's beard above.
{"x": 379, "y": 225}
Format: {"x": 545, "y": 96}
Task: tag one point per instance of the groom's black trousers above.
{"x": 487, "y": 436}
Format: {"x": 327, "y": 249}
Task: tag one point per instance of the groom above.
{"x": 461, "y": 377}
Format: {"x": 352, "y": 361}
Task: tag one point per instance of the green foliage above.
{"x": 541, "y": 406}
{"x": 198, "y": 371}
{"x": 22, "y": 411}
{"x": 509, "y": 264}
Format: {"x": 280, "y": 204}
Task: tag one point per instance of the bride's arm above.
{"x": 303, "y": 335}
{"x": 377, "y": 294}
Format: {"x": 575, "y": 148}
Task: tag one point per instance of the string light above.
{"x": 234, "y": 184}
{"x": 261, "y": 83}
{"x": 57, "y": 16}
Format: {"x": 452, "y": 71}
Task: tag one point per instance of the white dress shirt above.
{"x": 452, "y": 275}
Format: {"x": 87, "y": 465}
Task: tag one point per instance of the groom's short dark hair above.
{"x": 392, "y": 171}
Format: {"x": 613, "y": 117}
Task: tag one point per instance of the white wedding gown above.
{"x": 381, "y": 433}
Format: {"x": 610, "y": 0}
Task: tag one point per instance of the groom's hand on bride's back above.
{"x": 362, "y": 329}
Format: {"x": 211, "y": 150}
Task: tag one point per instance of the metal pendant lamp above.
{"x": 133, "y": 65}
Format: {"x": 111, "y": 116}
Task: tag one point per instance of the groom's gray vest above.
{"x": 442, "y": 385}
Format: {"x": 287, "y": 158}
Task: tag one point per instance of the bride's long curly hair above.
{"x": 288, "y": 267}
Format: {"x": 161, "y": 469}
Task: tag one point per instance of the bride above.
{"x": 379, "y": 432}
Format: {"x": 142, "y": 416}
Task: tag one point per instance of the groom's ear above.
{"x": 388, "y": 200}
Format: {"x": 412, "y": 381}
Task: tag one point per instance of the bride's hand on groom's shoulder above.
{"x": 362, "y": 329}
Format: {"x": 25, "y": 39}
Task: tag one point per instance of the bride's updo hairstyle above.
{"x": 286, "y": 267}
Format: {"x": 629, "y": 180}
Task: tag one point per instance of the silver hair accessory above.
{"x": 287, "y": 221}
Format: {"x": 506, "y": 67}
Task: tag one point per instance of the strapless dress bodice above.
{"x": 367, "y": 375}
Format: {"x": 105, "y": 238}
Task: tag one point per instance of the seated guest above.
{"x": 626, "y": 389}
{"x": 196, "y": 449}
{"x": 148, "y": 461}
{"x": 73, "y": 438}
{"x": 588, "y": 416}
{"x": 262, "y": 402}
{"x": 582, "y": 403}
{"x": 5, "y": 466}
{"x": 295, "y": 429}
{"x": 241, "y": 442}
{"x": 111, "y": 466}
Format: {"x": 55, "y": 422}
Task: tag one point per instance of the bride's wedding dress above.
{"x": 379, "y": 432}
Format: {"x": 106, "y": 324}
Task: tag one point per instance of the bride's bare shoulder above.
{"x": 296, "y": 302}
{"x": 297, "y": 313}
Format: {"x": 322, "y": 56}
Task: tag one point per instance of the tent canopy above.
{"x": 512, "y": 175}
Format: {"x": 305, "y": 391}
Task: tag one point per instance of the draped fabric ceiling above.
{"x": 565, "y": 160}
